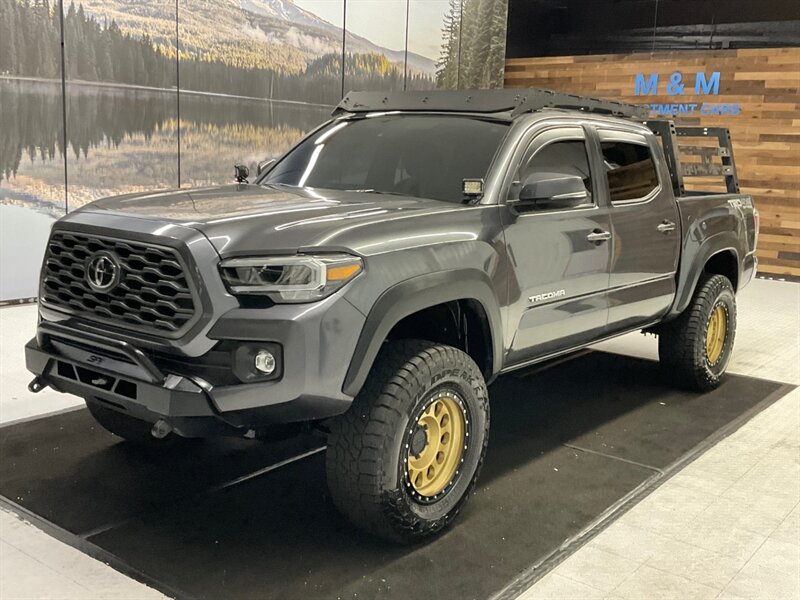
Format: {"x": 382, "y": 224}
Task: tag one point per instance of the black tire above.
{"x": 129, "y": 428}
{"x": 370, "y": 445}
{"x": 682, "y": 342}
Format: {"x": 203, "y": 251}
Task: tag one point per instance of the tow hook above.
{"x": 161, "y": 429}
{"x": 37, "y": 385}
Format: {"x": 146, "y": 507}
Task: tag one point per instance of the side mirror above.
{"x": 552, "y": 190}
{"x": 264, "y": 165}
{"x": 241, "y": 173}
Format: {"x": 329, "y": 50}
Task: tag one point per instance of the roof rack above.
{"x": 515, "y": 101}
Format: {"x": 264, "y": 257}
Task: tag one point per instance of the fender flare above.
{"x": 413, "y": 295}
{"x": 709, "y": 249}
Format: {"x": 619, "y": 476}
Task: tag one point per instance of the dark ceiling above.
{"x": 570, "y": 27}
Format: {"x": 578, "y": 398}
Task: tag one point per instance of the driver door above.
{"x": 560, "y": 256}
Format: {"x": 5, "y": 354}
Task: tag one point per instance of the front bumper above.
{"x": 154, "y": 377}
{"x": 76, "y": 360}
{"x": 118, "y": 376}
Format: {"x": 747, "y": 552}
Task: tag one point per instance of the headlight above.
{"x": 290, "y": 278}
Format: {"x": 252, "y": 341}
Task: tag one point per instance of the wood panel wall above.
{"x": 766, "y": 135}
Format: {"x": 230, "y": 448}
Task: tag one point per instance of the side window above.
{"x": 564, "y": 157}
{"x": 630, "y": 170}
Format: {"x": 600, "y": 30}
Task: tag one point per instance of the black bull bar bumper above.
{"x": 121, "y": 377}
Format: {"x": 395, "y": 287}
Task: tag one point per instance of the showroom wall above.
{"x": 155, "y": 94}
{"x": 665, "y": 54}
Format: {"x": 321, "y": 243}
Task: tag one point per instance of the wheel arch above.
{"x": 725, "y": 262}
{"x": 469, "y": 290}
{"x": 717, "y": 257}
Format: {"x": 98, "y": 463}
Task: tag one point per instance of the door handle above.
{"x": 666, "y": 226}
{"x": 599, "y": 236}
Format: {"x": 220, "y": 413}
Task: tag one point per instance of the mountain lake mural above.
{"x": 159, "y": 94}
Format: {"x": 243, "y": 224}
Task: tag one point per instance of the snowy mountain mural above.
{"x": 275, "y": 34}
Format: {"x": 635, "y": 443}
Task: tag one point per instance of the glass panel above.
{"x": 218, "y": 132}
{"x": 630, "y": 170}
{"x": 433, "y": 44}
{"x": 323, "y": 72}
{"x": 237, "y": 57}
{"x": 422, "y": 156}
{"x": 375, "y": 45}
{"x": 565, "y": 157}
{"x": 121, "y": 99}
{"x": 483, "y": 43}
{"x": 31, "y": 141}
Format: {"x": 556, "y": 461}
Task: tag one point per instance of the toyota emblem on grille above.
{"x": 102, "y": 271}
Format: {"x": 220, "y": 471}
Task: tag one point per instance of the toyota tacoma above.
{"x": 373, "y": 280}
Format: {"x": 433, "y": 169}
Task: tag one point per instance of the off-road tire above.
{"x": 367, "y": 447}
{"x": 682, "y": 342}
{"x": 129, "y": 428}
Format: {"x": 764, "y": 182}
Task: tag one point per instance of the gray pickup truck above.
{"x": 373, "y": 280}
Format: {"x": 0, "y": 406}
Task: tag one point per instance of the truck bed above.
{"x": 715, "y": 220}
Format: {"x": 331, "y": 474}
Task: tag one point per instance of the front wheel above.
{"x": 696, "y": 347}
{"x": 403, "y": 459}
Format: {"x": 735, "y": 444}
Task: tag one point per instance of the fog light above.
{"x": 257, "y": 361}
{"x": 265, "y": 362}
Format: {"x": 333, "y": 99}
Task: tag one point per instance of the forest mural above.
{"x": 473, "y": 45}
{"x": 159, "y": 94}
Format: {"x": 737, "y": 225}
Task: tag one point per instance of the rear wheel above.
{"x": 129, "y": 428}
{"x": 404, "y": 458}
{"x": 696, "y": 347}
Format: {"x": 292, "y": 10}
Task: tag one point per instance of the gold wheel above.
{"x": 436, "y": 445}
{"x": 716, "y": 331}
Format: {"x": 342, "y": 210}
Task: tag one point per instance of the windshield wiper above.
{"x": 372, "y": 191}
{"x": 277, "y": 184}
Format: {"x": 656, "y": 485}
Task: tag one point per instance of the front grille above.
{"x": 152, "y": 292}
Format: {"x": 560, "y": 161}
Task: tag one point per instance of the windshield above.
{"x": 426, "y": 156}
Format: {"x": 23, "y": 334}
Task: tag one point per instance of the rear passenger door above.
{"x": 559, "y": 257}
{"x": 644, "y": 220}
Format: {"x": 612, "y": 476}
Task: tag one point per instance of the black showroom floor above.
{"x": 566, "y": 444}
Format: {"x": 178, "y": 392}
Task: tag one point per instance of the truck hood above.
{"x": 242, "y": 218}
